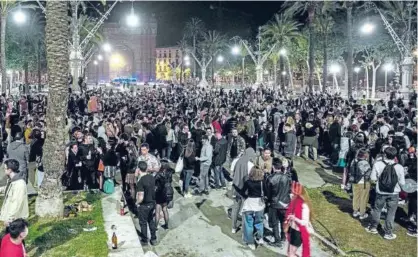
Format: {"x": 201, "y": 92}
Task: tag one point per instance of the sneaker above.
{"x": 276, "y": 244}
{"x": 252, "y": 246}
{"x": 356, "y": 214}
{"x": 371, "y": 230}
{"x": 260, "y": 241}
{"x": 411, "y": 233}
{"x": 153, "y": 242}
{"x": 206, "y": 192}
{"x": 364, "y": 216}
{"x": 234, "y": 231}
{"x": 390, "y": 236}
{"x": 197, "y": 193}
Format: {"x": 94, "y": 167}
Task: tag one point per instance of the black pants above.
{"x": 276, "y": 216}
{"x": 89, "y": 177}
{"x": 146, "y": 217}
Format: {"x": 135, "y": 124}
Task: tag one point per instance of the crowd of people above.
{"x": 248, "y": 137}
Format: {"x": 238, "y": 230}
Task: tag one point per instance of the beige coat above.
{"x": 15, "y": 203}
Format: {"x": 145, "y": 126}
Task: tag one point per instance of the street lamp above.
{"x": 235, "y": 50}
{"x": 107, "y": 47}
{"x": 367, "y": 28}
{"x": 283, "y": 73}
{"x": 95, "y": 62}
{"x": 187, "y": 63}
{"x": 186, "y": 58}
{"x": 220, "y": 58}
{"x": 19, "y": 17}
{"x": 388, "y": 67}
{"x": 132, "y": 19}
{"x": 282, "y": 51}
{"x": 99, "y": 57}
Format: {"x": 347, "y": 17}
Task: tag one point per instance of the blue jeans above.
{"x": 167, "y": 152}
{"x": 186, "y": 180}
{"x": 204, "y": 178}
{"x": 253, "y": 219}
{"x": 219, "y": 176}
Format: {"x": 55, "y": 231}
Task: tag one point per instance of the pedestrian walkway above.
{"x": 128, "y": 241}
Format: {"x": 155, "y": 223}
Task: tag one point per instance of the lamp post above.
{"x": 19, "y": 16}
{"x": 388, "y": 67}
{"x": 236, "y": 50}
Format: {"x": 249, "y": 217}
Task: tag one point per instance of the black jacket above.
{"x": 278, "y": 190}
{"x": 219, "y": 153}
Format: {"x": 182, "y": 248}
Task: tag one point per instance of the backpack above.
{"x": 388, "y": 179}
{"x": 108, "y": 186}
{"x": 359, "y": 170}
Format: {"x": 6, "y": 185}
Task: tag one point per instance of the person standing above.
{"x": 19, "y": 151}
{"x": 15, "y": 203}
{"x": 390, "y": 178}
{"x": 298, "y": 219}
{"x": 205, "y": 162}
{"x": 219, "y": 159}
{"x": 188, "y": 167}
{"x": 278, "y": 199}
{"x": 253, "y": 208}
{"x": 145, "y": 201}
{"x": 240, "y": 175}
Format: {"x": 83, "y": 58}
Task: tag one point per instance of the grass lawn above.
{"x": 332, "y": 208}
{"x": 65, "y": 237}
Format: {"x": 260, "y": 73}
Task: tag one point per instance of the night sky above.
{"x": 236, "y": 18}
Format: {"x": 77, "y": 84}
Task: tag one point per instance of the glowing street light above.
{"x": 132, "y": 19}
{"x": 186, "y": 58}
{"x": 187, "y": 63}
{"x": 235, "y": 50}
{"x": 220, "y": 58}
{"x": 99, "y": 57}
{"x": 356, "y": 69}
{"x": 107, "y": 47}
{"x": 367, "y": 28}
{"x": 284, "y": 73}
{"x": 95, "y": 62}
{"x": 282, "y": 51}
{"x": 19, "y": 17}
{"x": 388, "y": 66}
{"x": 334, "y": 68}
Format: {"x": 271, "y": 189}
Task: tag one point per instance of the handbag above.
{"x": 101, "y": 167}
{"x": 179, "y": 165}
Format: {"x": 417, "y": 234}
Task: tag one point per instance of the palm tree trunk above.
{"x": 350, "y": 49}
{"x": 26, "y": 66}
{"x": 213, "y": 71}
{"x": 49, "y": 202}
{"x": 367, "y": 82}
{"x": 325, "y": 66}
{"x": 194, "y": 61}
{"x": 3, "y": 53}
{"x": 39, "y": 65}
{"x": 311, "y": 14}
{"x": 282, "y": 78}
{"x": 181, "y": 73}
{"x": 275, "y": 73}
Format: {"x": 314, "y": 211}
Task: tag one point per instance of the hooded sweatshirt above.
{"x": 19, "y": 151}
{"x": 242, "y": 169}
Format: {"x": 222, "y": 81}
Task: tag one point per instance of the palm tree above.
{"x": 323, "y": 25}
{"x": 282, "y": 30}
{"x": 194, "y": 28}
{"x": 213, "y": 42}
{"x": 6, "y": 6}
{"x": 182, "y": 45}
{"x": 49, "y": 202}
{"x": 349, "y": 7}
{"x": 28, "y": 41}
{"x": 294, "y": 8}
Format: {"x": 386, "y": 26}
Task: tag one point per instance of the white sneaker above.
{"x": 356, "y": 214}
{"x": 342, "y": 187}
{"x": 234, "y": 231}
{"x": 364, "y": 216}
{"x": 260, "y": 242}
{"x": 252, "y": 246}
{"x": 390, "y": 236}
